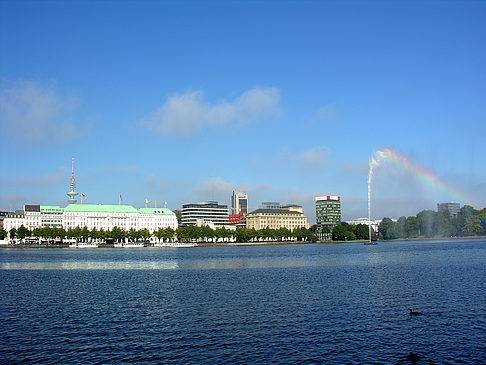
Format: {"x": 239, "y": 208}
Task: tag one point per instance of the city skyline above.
{"x": 285, "y": 101}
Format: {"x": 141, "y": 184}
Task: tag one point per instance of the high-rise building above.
{"x": 239, "y": 202}
{"x": 328, "y": 211}
{"x": 205, "y": 213}
{"x": 452, "y": 208}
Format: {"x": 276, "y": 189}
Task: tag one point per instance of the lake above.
{"x": 308, "y": 303}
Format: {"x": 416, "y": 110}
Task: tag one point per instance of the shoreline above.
{"x": 259, "y": 243}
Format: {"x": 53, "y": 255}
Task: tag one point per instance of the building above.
{"x": 237, "y": 220}
{"x": 275, "y": 219}
{"x": 14, "y": 220}
{"x": 270, "y": 205}
{"x": 51, "y": 216}
{"x": 374, "y": 223}
{"x": 239, "y": 202}
{"x": 328, "y": 211}
{"x": 452, "y": 208}
{"x": 122, "y": 216}
{"x": 178, "y": 214}
{"x": 99, "y": 216}
{"x": 205, "y": 213}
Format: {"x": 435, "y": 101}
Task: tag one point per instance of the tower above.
{"x": 239, "y": 202}
{"x": 71, "y": 193}
{"x": 328, "y": 211}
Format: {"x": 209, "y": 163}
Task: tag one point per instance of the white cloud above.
{"x": 315, "y": 157}
{"x": 183, "y": 114}
{"x": 35, "y": 113}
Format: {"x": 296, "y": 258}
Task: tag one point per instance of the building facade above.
{"x": 328, "y": 211}
{"x": 275, "y": 219}
{"x": 452, "y": 208}
{"x": 99, "y": 216}
{"x": 239, "y": 202}
{"x": 205, "y": 213}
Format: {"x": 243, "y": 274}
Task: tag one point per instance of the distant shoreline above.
{"x": 260, "y": 243}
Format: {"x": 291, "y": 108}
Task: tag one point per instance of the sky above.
{"x": 181, "y": 102}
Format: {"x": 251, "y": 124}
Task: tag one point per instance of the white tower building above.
{"x": 239, "y": 202}
{"x": 71, "y": 193}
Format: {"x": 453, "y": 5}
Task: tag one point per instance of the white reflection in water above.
{"x": 91, "y": 265}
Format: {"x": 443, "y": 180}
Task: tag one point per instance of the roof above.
{"x": 156, "y": 211}
{"x": 100, "y": 208}
{"x": 275, "y": 211}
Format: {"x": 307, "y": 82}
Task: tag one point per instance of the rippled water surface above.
{"x": 343, "y": 303}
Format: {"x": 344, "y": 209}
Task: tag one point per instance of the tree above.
{"x": 22, "y": 232}
{"x": 12, "y": 233}
{"x": 145, "y": 233}
{"x": 3, "y": 233}
{"x": 472, "y": 226}
{"x": 425, "y": 221}
{"x": 339, "y": 233}
{"x": 387, "y": 229}
{"x": 400, "y": 225}
{"x": 443, "y": 224}
{"x": 362, "y": 232}
{"x": 411, "y": 227}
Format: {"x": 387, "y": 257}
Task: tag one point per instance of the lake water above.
{"x": 313, "y": 303}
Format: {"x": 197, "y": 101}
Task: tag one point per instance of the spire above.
{"x": 71, "y": 193}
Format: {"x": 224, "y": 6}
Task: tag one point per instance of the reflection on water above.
{"x": 90, "y": 265}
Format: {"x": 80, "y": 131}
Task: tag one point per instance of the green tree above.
{"x": 388, "y": 229}
{"x": 362, "y": 232}
{"x": 85, "y": 233}
{"x": 339, "y": 233}
{"x": 443, "y": 224}
{"x": 426, "y": 219}
{"x": 3, "y": 233}
{"x": 400, "y": 225}
{"x": 283, "y": 233}
{"x": 472, "y": 226}
{"x": 22, "y": 233}
{"x": 411, "y": 227}
{"x": 12, "y": 233}
{"x": 145, "y": 233}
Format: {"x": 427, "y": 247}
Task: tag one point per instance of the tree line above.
{"x": 186, "y": 234}
{"x": 430, "y": 224}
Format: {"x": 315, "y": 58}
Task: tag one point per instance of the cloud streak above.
{"x": 34, "y": 113}
{"x": 184, "y": 114}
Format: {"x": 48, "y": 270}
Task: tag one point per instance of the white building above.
{"x": 14, "y": 220}
{"x": 239, "y": 202}
{"x": 205, "y": 213}
{"x": 374, "y": 224}
{"x": 91, "y": 216}
{"x": 121, "y": 216}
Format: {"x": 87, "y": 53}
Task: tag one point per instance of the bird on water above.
{"x": 412, "y": 313}
{"x": 413, "y": 357}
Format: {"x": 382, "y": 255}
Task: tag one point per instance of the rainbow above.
{"x": 404, "y": 164}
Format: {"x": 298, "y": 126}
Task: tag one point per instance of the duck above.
{"x": 413, "y": 357}
{"x": 412, "y": 313}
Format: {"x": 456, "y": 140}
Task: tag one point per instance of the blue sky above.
{"x": 186, "y": 101}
